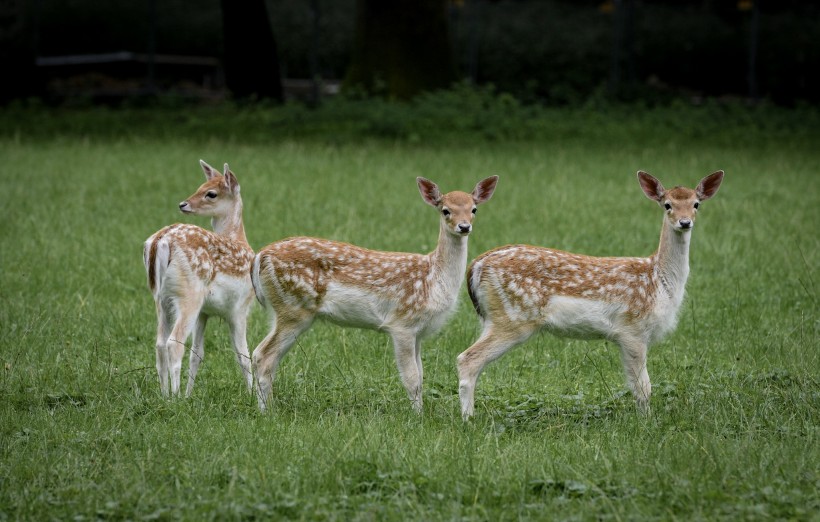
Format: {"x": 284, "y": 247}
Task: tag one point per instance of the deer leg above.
{"x": 490, "y": 346}
{"x": 238, "y": 328}
{"x": 405, "y": 348}
{"x": 633, "y": 358}
{"x": 163, "y": 332}
{"x": 175, "y": 346}
{"x": 197, "y": 352}
{"x": 419, "y": 365}
{"x": 269, "y": 353}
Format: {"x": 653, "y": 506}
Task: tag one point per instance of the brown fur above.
{"x": 542, "y": 272}
{"x": 295, "y": 261}
{"x": 207, "y": 253}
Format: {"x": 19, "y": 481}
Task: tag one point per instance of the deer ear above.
{"x": 651, "y": 186}
{"x": 709, "y": 185}
{"x": 230, "y": 181}
{"x": 429, "y": 191}
{"x": 210, "y": 172}
{"x": 483, "y": 191}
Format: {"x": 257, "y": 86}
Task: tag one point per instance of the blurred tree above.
{"x": 17, "y": 50}
{"x": 622, "y": 58}
{"x": 401, "y": 47}
{"x": 251, "y": 58}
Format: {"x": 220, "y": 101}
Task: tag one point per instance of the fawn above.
{"x": 194, "y": 273}
{"x": 409, "y": 296}
{"x": 518, "y": 290}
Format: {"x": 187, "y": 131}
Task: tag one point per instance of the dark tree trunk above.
{"x": 401, "y": 47}
{"x": 251, "y": 58}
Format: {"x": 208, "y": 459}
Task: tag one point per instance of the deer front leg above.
{"x": 197, "y": 352}
{"x": 633, "y": 358}
{"x": 418, "y": 364}
{"x": 405, "y": 348}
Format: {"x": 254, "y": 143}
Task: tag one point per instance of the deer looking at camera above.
{"x": 519, "y": 290}
{"x": 194, "y": 273}
{"x": 409, "y": 296}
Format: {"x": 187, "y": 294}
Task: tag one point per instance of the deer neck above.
{"x": 672, "y": 260}
{"x": 449, "y": 260}
{"x": 230, "y": 225}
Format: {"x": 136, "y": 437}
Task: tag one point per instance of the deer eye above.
{"x": 474, "y": 210}
{"x": 445, "y": 211}
{"x": 697, "y": 204}
{"x": 211, "y": 194}
{"x": 667, "y": 206}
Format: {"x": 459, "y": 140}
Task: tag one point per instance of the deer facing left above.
{"x": 194, "y": 274}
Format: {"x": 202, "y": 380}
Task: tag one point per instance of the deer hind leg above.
{"x": 187, "y": 316}
{"x": 163, "y": 332}
{"x": 408, "y": 359}
{"x": 269, "y": 353}
{"x": 197, "y": 352}
{"x": 492, "y": 344}
{"x": 238, "y": 328}
{"x": 633, "y": 358}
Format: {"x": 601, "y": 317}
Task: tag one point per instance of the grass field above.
{"x": 85, "y": 434}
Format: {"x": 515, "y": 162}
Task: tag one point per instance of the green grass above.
{"x": 84, "y": 433}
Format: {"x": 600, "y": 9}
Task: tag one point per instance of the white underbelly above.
{"x": 580, "y": 318}
{"x": 225, "y": 294}
{"x": 351, "y": 306}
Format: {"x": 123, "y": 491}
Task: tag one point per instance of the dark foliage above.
{"x": 558, "y": 51}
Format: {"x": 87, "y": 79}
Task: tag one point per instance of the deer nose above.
{"x": 183, "y": 206}
{"x": 464, "y": 228}
{"x": 685, "y": 223}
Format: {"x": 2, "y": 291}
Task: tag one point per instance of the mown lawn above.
{"x": 85, "y": 434}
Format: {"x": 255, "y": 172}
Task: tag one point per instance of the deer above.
{"x": 409, "y": 296}
{"x": 194, "y": 274}
{"x": 519, "y": 290}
